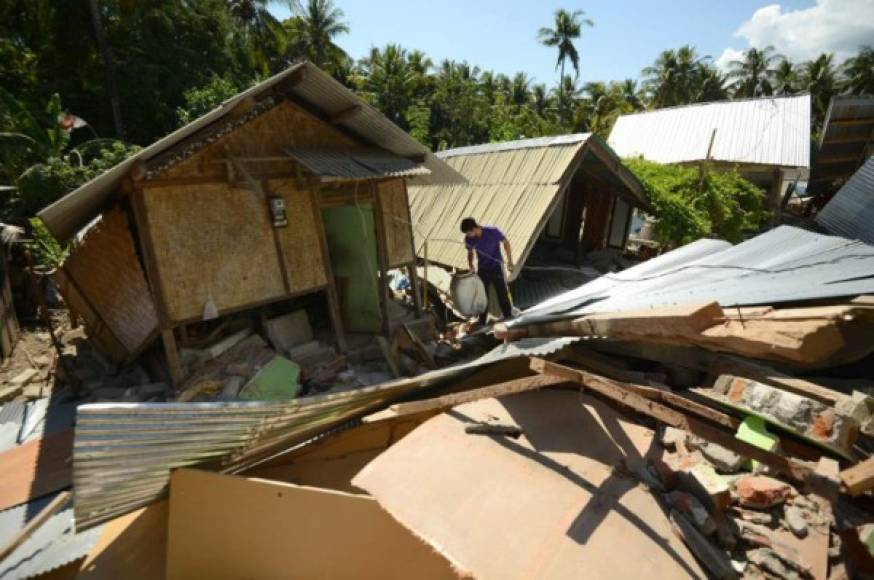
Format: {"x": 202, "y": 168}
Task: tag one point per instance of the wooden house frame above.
{"x": 226, "y": 214}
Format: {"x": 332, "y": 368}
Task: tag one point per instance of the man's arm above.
{"x": 470, "y": 254}
{"x": 509, "y": 253}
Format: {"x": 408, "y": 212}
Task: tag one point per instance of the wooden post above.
{"x": 177, "y": 371}
{"x": 34, "y": 524}
{"x": 382, "y": 257}
{"x": 414, "y": 284}
{"x": 425, "y": 285}
{"x": 331, "y": 288}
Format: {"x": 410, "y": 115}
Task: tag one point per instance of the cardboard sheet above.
{"x": 556, "y": 503}
{"x": 223, "y": 526}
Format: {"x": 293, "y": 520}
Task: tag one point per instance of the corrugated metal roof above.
{"x": 511, "y": 185}
{"x": 21, "y": 422}
{"x": 54, "y": 544}
{"x": 359, "y": 164}
{"x": 847, "y": 141}
{"x": 786, "y": 264}
{"x": 123, "y": 453}
{"x": 317, "y": 89}
{"x": 765, "y": 131}
{"x": 850, "y": 213}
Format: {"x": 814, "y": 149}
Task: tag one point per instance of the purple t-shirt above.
{"x": 488, "y": 248}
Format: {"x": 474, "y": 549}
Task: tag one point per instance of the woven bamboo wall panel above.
{"x": 300, "y": 240}
{"x": 98, "y": 333}
{"x": 284, "y": 126}
{"x": 212, "y": 241}
{"x": 396, "y": 221}
{"x": 106, "y": 269}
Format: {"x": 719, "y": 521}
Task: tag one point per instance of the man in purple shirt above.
{"x": 485, "y": 243}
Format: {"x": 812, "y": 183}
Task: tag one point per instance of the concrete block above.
{"x": 762, "y": 492}
{"x": 795, "y": 521}
{"x": 289, "y": 330}
{"x": 672, "y": 436}
{"x": 231, "y": 388}
{"x": 703, "y": 482}
{"x": 795, "y": 412}
{"x": 724, "y": 460}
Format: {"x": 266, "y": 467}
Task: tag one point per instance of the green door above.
{"x": 352, "y": 246}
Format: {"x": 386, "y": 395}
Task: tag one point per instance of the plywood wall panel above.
{"x": 223, "y": 526}
{"x": 107, "y": 272}
{"x": 396, "y": 221}
{"x": 300, "y": 240}
{"x": 212, "y": 241}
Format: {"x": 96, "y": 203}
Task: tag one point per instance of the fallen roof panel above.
{"x": 124, "y": 452}
{"x": 850, "y": 213}
{"x": 785, "y": 264}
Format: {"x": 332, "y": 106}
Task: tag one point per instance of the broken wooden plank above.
{"x": 501, "y": 389}
{"x": 715, "y": 560}
{"x": 34, "y": 524}
{"x": 859, "y": 478}
{"x": 621, "y": 393}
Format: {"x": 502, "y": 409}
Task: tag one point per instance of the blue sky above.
{"x": 627, "y": 36}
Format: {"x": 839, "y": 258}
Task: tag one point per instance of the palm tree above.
{"x": 312, "y": 30}
{"x": 261, "y": 34}
{"x": 519, "y": 89}
{"x": 387, "y": 80}
{"x": 539, "y": 99}
{"x": 818, "y": 76}
{"x": 754, "y": 73}
{"x": 676, "y": 77}
{"x": 858, "y": 72}
{"x": 568, "y": 27}
{"x": 785, "y": 78}
{"x": 108, "y": 67}
{"x": 631, "y": 94}
{"x": 709, "y": 84}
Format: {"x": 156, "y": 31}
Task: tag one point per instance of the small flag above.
{"x": 68, "y": 122}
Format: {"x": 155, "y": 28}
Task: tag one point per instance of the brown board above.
{"x": 301, "y": 249}
{"x": 211, "y": 241}
{"x": 105, "y": 271}
{"x": 396, "y": 222}
{"x": 558, "y": 502}
{"x": 223, "y": 526}
{"x": 36, "y": 468}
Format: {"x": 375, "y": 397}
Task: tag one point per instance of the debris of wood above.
{"x": 714, "y": 559}
{"x": 489, "y": 428}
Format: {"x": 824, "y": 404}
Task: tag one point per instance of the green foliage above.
{"x": 201, "y": 100}
{"x": 46, "y": 182}
{"x": 46, "y": 250}
{"x": 687, "y": 207}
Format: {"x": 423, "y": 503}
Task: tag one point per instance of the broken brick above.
{"x": 762, "y": 492}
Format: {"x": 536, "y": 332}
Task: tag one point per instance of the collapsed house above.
{"x": 766, "y": 140}
{"x": 846, "y": 142}
{"x": 293, "y": 187}
{"x": 555, "y": 198}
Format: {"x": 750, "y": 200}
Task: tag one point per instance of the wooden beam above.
{"x": 331, "y": 289}
{"x": 439, "y": 404}
{"x": 836, "y": 159}
{"x": 852, "y": 121}
{"x": 174, "y": 363}
{"x": 344, "y": 115}
{"x": 382, "y": 257}
{"x": 859, "y": 478}
{"x": 620, "y": 393}
{"x": 846, "y": 141}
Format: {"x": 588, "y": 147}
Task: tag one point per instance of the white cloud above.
{"x": 728, "y": 55}
{"x": 838, "y": 26}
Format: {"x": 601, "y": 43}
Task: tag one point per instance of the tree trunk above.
{"x": 561, "y": 100}
{"x": 108, "y": 67}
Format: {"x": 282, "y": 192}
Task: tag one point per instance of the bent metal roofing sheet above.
{"x": 850, "y": 212}
{"x": 123, "y": 452}
{"x": 766, "y": 131}
{"x": 785, "y": 264}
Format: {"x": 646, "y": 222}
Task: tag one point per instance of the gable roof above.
{"x": 514, "y": 185}
{"x": 306, "y": 84}
{"x": 765, "y": 131}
